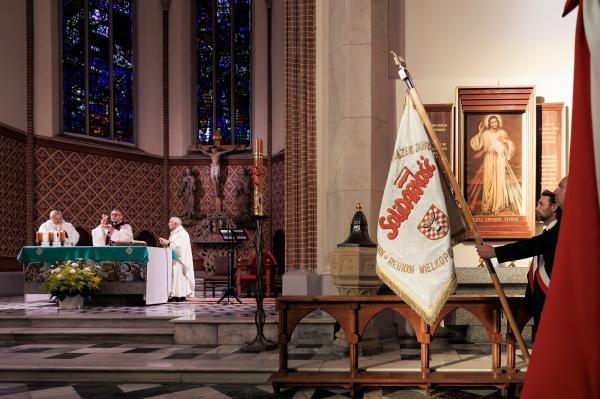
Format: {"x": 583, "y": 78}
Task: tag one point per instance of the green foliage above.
{"x": 71, "y": 278}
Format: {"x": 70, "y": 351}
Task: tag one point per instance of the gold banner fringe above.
{"x": 429, "y": 316}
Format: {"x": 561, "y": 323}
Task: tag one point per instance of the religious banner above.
{"x": 414, "y": 256}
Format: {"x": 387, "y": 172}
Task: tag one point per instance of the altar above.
{"x": 130, "y": 270}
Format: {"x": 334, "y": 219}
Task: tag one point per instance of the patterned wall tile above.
{"x": 84, "y": 186}
{"x": 277, "y": 174}
{"x": 235, "y": 180}
{"x": 206, "y": 245}
{"x": 12, "y": 199}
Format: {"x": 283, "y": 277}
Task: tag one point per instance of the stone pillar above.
{"x": 358, "y": 135}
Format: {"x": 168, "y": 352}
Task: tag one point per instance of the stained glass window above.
{"x": 223, "y": 70}
{"x": 97, "y": 68}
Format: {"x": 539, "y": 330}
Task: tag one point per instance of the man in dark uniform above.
{"x": 540, "y": 247}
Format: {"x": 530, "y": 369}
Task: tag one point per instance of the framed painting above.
{"x": 496, "y": 165}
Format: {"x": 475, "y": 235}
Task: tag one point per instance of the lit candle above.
{"x": 39, "y": 236}
{"x": 50, "y": 236}
{"x": 61, "y": 235}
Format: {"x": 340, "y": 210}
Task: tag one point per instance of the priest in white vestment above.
{"x": 184, "y": 284}
{"x": 116, "y": 231}
{"x": 57, "y": 224}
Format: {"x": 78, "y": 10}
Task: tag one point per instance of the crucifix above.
{"x": 215, "y": 152}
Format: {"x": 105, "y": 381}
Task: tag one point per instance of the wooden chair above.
{"x": 279, "y": 253}
{"x": 246, "y": 271}
{"x": 218, "y": 276}
{"x": 85, "y": 238}
{"x": 147, "y": 237}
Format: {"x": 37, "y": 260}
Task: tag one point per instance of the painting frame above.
{"x": 496, "y": 158}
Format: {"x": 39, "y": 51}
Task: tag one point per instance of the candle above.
{"x": 258, "y": 178}
{"x": 61, "y": 235}
{"x": 258, "y": 147}
{"x": 39, "y": 236}
{"x": 50, "y": 236}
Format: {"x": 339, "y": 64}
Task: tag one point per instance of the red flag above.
{"x": 566, "y": 355}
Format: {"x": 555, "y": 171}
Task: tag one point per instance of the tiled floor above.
{"x": 217, "y": 391}
{"x": 400, "y": 354}
{"x": 40, "y": 305}
{"x": 302, "y": 355}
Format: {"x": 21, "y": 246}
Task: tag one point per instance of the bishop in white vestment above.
{"x": 183, "y": 285}
{"x": 57, "y": 224}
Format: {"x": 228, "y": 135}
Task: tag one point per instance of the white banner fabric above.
{"x": 414, "y": 256}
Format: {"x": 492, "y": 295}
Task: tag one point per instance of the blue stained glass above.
{"x": 224, "y": 48}
{"x": 204, "y": 71}
{"x": 243, "y": 50}
{"x": 223, "y": 70}
{"x": 98, "y": 69}
{"x": 122, "y": 70}
{"x": 73, "y": 69}
{"x": 100, "y": 40}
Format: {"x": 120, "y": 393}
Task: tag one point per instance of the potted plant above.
{"x": 72, "y": 281}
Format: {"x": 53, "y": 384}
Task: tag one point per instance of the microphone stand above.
{"x": 230, "y": 291}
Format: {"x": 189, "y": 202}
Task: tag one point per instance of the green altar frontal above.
{"x": 57, "y": 254}
{"x": 124, "y": 266}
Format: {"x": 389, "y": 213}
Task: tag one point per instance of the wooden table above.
{"x": 354, "y": 313}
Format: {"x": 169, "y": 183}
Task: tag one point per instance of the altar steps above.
{"x": 57, "y": 330}
{"x": 225, "y": 329}
{"x": 199, "y": 341}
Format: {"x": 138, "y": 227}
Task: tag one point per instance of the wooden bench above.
{"x": 216, "y": 277}
{"x": 354, "y": 313}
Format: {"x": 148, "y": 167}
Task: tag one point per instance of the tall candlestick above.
{"x": 258, "y": 175}
{"x": 39, "y": 237}
{"x": 61, "y": 236}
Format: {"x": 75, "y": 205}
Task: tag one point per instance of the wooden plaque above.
{"x": 550, "y": 149}
{"x": 440, "y": 116}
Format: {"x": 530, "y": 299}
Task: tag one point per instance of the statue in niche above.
{"x": 244, "y": 200}
{"x": 189, "y": 189}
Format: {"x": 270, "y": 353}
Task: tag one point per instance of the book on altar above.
{"x": 132, "y": 243}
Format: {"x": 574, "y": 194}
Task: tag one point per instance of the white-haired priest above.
{"x": 183, "y": 267}
{"x": 57, "y": 224}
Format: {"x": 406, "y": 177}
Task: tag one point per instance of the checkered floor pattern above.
{"x": 160, "y": 357}
{"x": 217, "y": 391}
{"x": 41, "y": 305}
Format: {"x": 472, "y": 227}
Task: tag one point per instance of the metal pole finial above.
{"x": 402, "y": 71}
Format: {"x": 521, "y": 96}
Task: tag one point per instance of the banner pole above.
{"x": 460, "y": 200}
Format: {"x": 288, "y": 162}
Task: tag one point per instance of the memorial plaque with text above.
{"x": 440, "y": 116}
{"x": 550, "y": 151}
